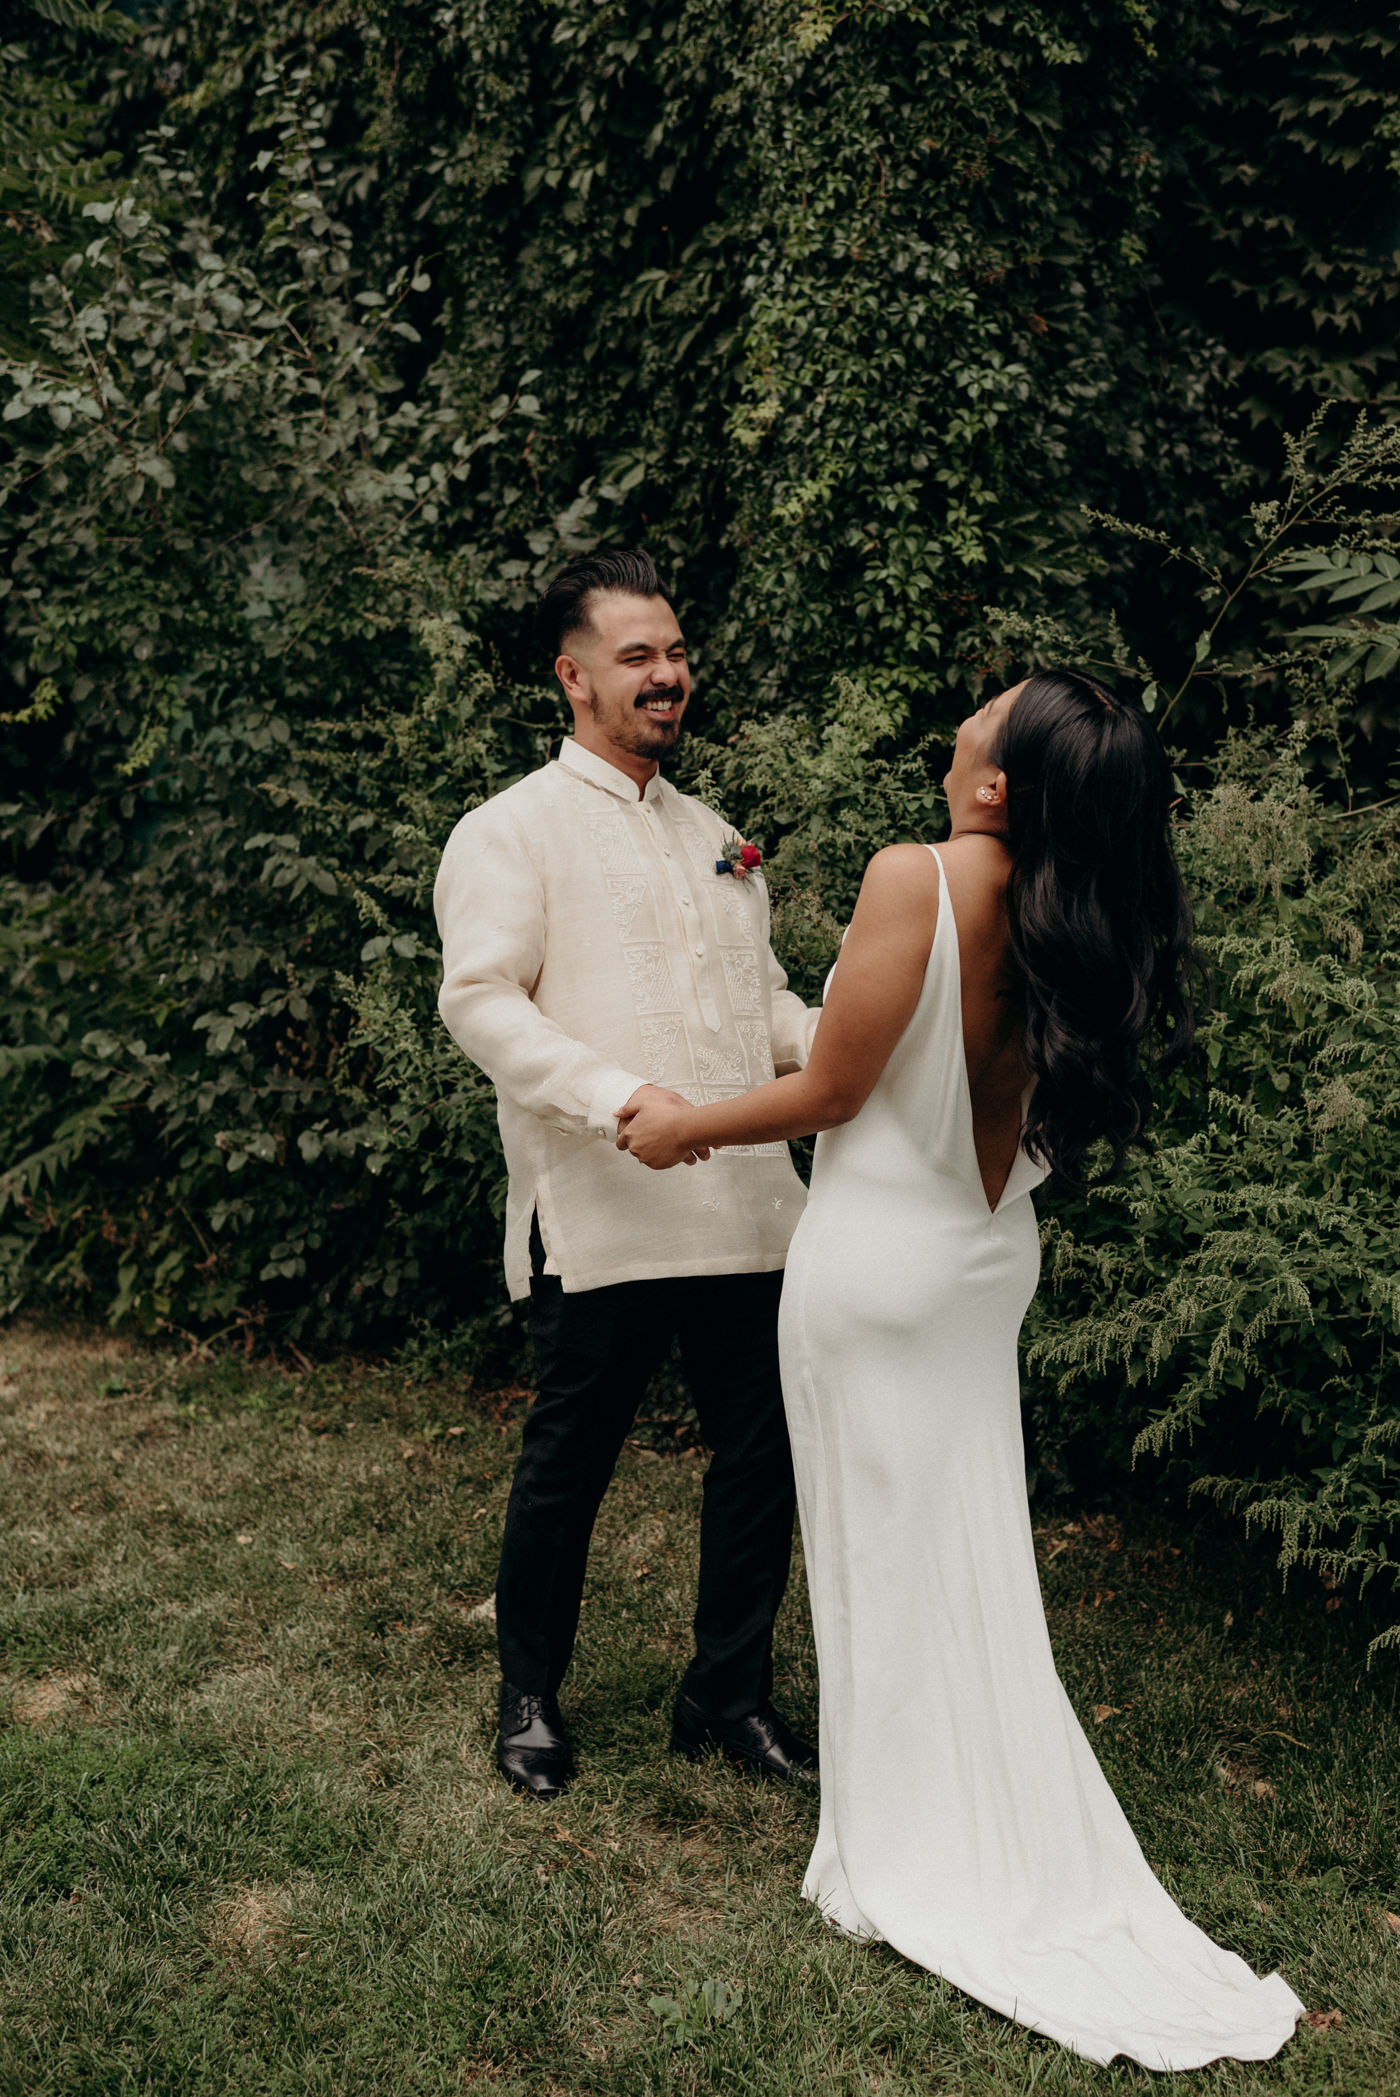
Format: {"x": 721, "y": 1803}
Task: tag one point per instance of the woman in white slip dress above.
{"x": 983, "y": 1024}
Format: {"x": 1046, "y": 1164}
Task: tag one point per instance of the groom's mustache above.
{"x": 671, "y": 693}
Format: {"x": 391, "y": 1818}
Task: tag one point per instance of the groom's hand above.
{"x": 648, "y": 1095}
{"x": 657, "y": 1095}
{"x": 658, "y": 1105}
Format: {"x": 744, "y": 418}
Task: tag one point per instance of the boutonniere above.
{"x": 737, "y": 858}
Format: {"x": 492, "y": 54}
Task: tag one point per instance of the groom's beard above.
{"x": 641, "y": 734}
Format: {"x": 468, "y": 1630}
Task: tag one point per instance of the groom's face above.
{"x": 627, "y": 676}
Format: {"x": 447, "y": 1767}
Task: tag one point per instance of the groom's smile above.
{"x": 663, "y": 706}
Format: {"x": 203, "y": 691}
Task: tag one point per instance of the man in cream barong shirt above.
{"x": 592, "y": 950}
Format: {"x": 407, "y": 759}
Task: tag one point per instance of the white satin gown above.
{"x": 964, "y": 1818}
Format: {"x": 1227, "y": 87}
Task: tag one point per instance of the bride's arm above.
{"x": 872, "y": 997}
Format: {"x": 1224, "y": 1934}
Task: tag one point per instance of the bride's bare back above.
{"x": 993, "y": 1015}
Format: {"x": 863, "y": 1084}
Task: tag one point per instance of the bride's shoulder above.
{"x": 901, "y": 881}
{"x": 902, "y": 863}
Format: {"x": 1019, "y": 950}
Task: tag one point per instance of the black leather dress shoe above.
{"x": 532, "y": 1748}
{"x": 760, "y": 1741}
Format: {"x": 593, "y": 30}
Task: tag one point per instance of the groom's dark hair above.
{"x": 563, "y": 609}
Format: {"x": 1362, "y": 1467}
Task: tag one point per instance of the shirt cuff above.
{"x": 800, "y": 1046}
{"x": 616, "y": 1088}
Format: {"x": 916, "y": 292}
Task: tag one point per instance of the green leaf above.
{"x": 1381, "y": 598}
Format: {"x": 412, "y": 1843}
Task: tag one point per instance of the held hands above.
{"x": 649, "y": 1127}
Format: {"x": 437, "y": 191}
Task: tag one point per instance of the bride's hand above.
{"x": 651, "y": 1130}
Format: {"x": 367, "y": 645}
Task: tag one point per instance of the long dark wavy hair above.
{"x": 1100, "y": 922}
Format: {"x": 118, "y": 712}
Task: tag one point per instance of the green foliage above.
{"x": 50, "y": 162}
{"x": 1366, "y": 583}
{"x": 1289, "y": 202}
{"x": 845, "y": 312}
{"x": 701, "y": 2007}
{"x": 270, "y": 717}
{"x": 355, "y": 319}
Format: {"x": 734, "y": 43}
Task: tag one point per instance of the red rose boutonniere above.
{"x": 737, "y": 858}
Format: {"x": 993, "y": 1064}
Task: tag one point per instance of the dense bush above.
{"x": 847, "y": 311}
{"x": 218, "y": 532}
{"x": 345, "y": 324}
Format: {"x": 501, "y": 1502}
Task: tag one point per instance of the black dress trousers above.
{"x": 595, "y": 1353}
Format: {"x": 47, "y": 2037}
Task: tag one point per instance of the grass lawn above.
{"x": 253, "y": 1842}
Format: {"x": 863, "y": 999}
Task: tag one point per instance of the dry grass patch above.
{"x": 254, "y": 1921}
{"x": 59, "y": 1351}
{"x": 261, "y": 1696}
{"x": 55, "y": 1698}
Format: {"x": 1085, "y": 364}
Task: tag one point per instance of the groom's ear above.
{"x": 571, "y": 674}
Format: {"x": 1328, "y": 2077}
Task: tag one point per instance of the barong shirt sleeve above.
{"x": 493, "y": 948}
